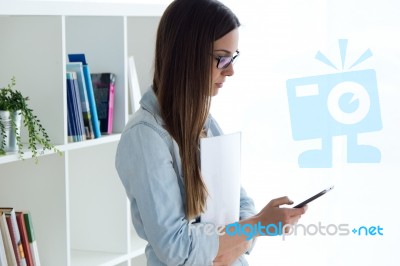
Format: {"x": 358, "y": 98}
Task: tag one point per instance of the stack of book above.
{"x": 90, "y": 100}
{"x": 17, "y": 239}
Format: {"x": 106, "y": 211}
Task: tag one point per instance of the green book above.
{"x": 31, "y": 238}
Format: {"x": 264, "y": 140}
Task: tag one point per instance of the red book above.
{"x": 13, "y": 240}
{"x": 15, "y": 235}
{"x": 24, "y": 238}
{"x": 11, "y": 260}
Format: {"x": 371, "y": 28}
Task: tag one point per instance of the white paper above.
{"x": 134, "y": 88}
{"x": 220, "y": 167}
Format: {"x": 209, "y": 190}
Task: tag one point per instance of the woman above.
{"x": 158, "y": 154}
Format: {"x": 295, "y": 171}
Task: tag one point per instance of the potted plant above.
{"x": 14, "y": 113}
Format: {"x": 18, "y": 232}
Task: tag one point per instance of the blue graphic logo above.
{"x": 368, "y": 231}
{"x": 344, "y": 103}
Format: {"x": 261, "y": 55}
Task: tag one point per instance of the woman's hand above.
{"x": 233, "y": 246}
{"x": 272, "y": 213}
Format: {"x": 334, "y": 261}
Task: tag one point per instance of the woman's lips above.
{"x": 219, "y": 85}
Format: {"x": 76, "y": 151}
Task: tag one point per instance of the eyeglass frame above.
{"x": 231, "y": 60}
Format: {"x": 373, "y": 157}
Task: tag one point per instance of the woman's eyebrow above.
{"x": 223, "y": 50}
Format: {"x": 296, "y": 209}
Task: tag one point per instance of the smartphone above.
{"x": 316, "y": 196}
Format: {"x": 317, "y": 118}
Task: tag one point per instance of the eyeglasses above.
{"x": 224, "y": 61}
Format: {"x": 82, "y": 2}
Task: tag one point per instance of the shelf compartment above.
{"x": 32, "y": 51}
{"x": 99, "y": 208}
{"x": 102, "y": 40}
{"x": 79, "y": 207}
{"x": 40, "y": 189}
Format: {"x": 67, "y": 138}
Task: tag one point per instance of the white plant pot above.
{"x": 11, "y": 137}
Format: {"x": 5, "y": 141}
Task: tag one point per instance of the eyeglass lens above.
{"x": 225, "y": 61}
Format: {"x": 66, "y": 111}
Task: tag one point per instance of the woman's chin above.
{"x": 215, "y": 91}
{"x": 216, "y": 88}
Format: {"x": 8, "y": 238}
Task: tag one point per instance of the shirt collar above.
{"x": 149, "y": 102}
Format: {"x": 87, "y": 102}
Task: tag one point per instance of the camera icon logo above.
{"x": 344, "y": 103}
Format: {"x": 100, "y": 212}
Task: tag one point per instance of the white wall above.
{"x": 278, "y": 41}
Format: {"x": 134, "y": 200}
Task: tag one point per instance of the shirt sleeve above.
{"x": 145, "y": 166}
{"x": 247, "y": 209}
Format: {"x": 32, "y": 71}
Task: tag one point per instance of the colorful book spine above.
{"x": 24, "y": 238}
{"x": 111, "y": 106}
{"x": 78, "y": 106}
{"x": 8, "y": 246}
{"x": 31, "y": 238}
{"x": 88, "y": 82}
{"x": 14, "y": 240}
{"x": 11, "y": 219}
{"x": 104, "y": 91}
{"x": 3, "y": 256}
{"x": 72, "y": 107}
{"x": 87, "y": 117}
{"x": 69, "y": 124}
{"x": 72, "y": 131}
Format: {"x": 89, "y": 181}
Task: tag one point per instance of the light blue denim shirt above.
{"x": 149, "y": 166}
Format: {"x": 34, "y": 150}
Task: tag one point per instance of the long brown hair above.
{"x": 182, "y": 81}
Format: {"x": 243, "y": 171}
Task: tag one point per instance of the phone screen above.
{"x": 314, "y": 197}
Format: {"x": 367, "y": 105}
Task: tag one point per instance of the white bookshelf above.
{"x": 79, "y": 207}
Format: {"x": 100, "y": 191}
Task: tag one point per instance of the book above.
{"x": 31, "y": 238}
{"x": 8, "y": 247}
{"x": 74, "y": 110}
{"x": 3, "y": 257}
{"x": 87, "y": 117}
{"x": 72, "y": 127}
{"x": 69, "y": 125}
{"x": 104, "y": 89}
{"x": 13, "y": 240}
{"x": 134, "y": 88}
{"x": 78, "y": 106}
{"x": 24, "y": 238}
{"x": 88, "y": 82}
{"x": 15, "y": 235}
